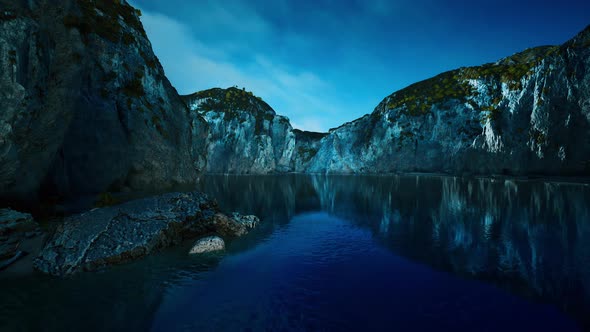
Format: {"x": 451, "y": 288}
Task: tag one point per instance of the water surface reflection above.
{"x": 529, "y": 237}
{"x": 408, "y": 252}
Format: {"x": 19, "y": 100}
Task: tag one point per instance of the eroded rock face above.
{"x": 208, "y": 244}
{"x": 525, "y": 114}
{"x": 246, "y": 135}
{"x": 131, "y": 230}
{"x": 85, "y": 104}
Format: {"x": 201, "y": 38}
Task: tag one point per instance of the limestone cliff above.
{"x": 307, "y": 144}
{"x": 246, "y": 135}
{"x": 525, "y": 114}
{"x": 85, "y": 106}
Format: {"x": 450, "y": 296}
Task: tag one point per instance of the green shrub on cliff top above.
{"x": 232, "y": 101}
{"x": 419, "y": 98}
{"x": 104, "y": 18}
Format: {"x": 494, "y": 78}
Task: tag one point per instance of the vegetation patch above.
{"x": 229, "y": 99}
{"x": 231, "y": 102}
{"x": 419, "y": 98}
{"x": 537, "y": 137}
{"x": 104, "y": 18}
{"x": 512, "y": 69}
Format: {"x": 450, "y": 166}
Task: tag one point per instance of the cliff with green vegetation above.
{"x": 246, "y": 135}
{"x": 527, "y": 114}
{"x": 86, "y": 107}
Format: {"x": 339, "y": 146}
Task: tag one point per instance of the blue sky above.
{"x": 326, "y": 62}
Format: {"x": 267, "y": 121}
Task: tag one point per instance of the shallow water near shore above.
{"x": 412, "y": 252}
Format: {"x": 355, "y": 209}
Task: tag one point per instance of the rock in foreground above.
{"x": 208, "y": 244}
{"x": 14, "y": 222}
{"x": 131, "y": 230}
{"x": 14, "y": 228}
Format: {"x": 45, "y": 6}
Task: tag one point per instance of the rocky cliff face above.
{"x": 86, "y": 108}
{"x": 307, "y": 144}
{"x": 246, "y": 135}
{"x": 525, "y": 114}
{"x": 85, "y": 103}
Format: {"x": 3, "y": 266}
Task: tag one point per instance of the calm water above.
{"x": 347, "y": 253}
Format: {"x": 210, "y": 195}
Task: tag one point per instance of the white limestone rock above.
{"x": 207, "y": 244}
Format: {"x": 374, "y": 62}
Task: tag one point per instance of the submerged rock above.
{"x": 116, "y": 234}
{"x": 208, "y": 244}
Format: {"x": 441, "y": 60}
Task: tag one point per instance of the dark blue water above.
{"x": 347, "y": 253}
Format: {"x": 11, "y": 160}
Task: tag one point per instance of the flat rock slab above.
{"x": 208, "y": 244}
{"x": 116, "y": 234}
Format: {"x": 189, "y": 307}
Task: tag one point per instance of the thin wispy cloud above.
{"x": 326, "y": 62}
{"x": 191, "y": 66}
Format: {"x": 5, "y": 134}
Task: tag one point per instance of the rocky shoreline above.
{"x": 117, "y": 234}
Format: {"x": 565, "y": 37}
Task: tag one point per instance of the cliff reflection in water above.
{"x": 531, "y": 238}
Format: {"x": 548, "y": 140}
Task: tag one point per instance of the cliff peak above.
{"x": 227, "y": 100}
